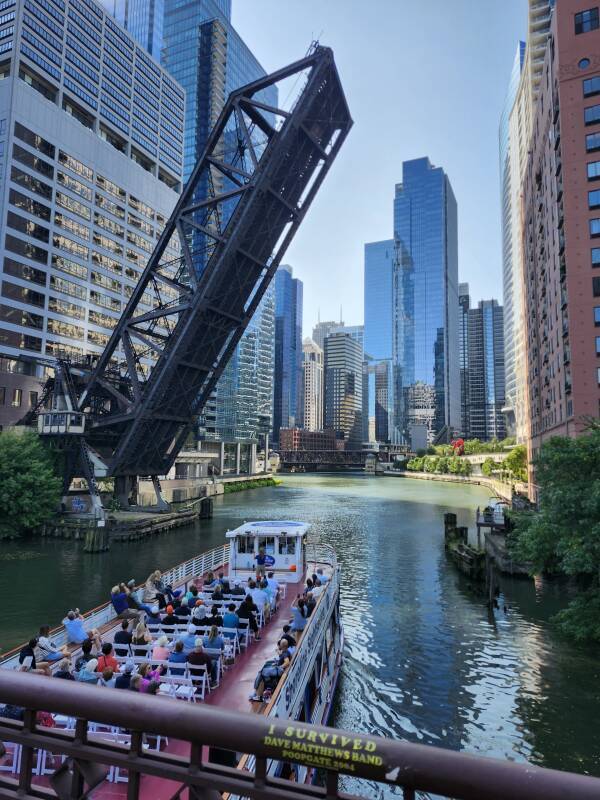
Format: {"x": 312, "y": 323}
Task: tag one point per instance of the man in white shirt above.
{"x": 260, "y": 598}
{"x": 274, "y": 587}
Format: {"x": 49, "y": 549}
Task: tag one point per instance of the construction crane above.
{"x": 127, "y": 412}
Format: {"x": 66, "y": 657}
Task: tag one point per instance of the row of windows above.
{"x": 57, "y": 29}
{"x": 17, "y": 397}
{"x": 586, "y": 21}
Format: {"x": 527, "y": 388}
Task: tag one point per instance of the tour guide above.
{"x": 261, "y": 560}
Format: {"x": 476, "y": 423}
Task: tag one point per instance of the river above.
{"x": 424, "y": 660}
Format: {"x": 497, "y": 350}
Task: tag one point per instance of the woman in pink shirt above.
{"x": 160, "y": 651}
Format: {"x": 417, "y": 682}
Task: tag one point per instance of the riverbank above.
{"x": 505, "y": 490}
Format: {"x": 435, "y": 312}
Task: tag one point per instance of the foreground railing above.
{"x": 89, "y": 756}
{"x": 102, "y": 615}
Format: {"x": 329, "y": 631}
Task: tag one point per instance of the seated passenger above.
{"x": 107, "y": 679}
{"x": 290, "y": 639}
{"x": 209, "y": 582}
{"x": 76, "y": 632}
{"x": 299, "y": 616}
{"x": 237, "y": 589}
{"x": 64, "y": 670}
{"x": 178, "y": 656}
{"x": 192, "y": 595}
{"x": 160, "y": 651}
{"x": 119, "y": 598}
{"x": 189, "y": 640}
{"x": 169, "y": 620}
{"x": 248, "y": 610}
{"x": 198, "y": 658}
{"x": 123, "y": 637}
{"x": 230, "y": 620}
{"x": 213, "y": 640}
{"x": 27, "y": 662}
{"x": 148, "y": 675}
{"x": 199, "y": 613}
{"x": 273, "y": 586}
{"x": 182, "y": 610}
{"x": 322, "y": 577}
{"x": 107, "y": 659}
{"x": 87, "y": 673}
{"x": 260, "y": 598}
{"x": 85, "y": 655}
{"x": 215, "y": 618}
{"x": 224, "y": 583}
{"x": 217, "y": 593}
{"x": 153, "y": 616}
{"x": 46, "y": 650}
{"x": 142, "y": 638}
{"x": 123, "y": 678}
{"x": 268, "y": 677}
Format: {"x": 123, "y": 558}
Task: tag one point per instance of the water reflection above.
{"x": 424, "y": 661}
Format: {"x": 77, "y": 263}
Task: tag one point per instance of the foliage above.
{"x": 472, "y": 447}
{"x": 29, "y": 487}
{"x": 240, "y": 486}
{"x": 564, "y": 535}
{"x": 488, "y": 467}
{"x": 440, "y": 465}
{"x": 516, "y": 463}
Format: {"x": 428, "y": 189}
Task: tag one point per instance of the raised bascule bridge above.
{"x": 128, "y": 413}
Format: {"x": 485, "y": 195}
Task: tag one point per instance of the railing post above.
{"x": 133, "y": 780}
{"x": 26, "y": 770}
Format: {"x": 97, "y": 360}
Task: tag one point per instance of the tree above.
{"x": 564, "y": 536}
{"x": 29, "y": 487}
{"x": 488, "y": 466}
{"x": 516, "y": 462}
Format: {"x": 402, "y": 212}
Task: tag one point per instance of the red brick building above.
{"x": 300, "y": 439}
{"x": 561, "y": 230}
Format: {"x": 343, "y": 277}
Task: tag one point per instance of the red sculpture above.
{"x": 458, "y": 445}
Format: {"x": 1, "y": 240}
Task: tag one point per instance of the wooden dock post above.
{"x": 96, "y": 540}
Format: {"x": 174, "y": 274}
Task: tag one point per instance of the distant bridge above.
{"x": 349, "y": 459}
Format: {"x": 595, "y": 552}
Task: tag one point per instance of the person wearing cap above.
{"x": 169, "y": 620}
{"x": 237, "y": 589}
{"x": 160, "y": 651}
{"x": 198, "y": 658}
{"x": 199, "y": 613}
{"x": 189, "y": 640}
{"x": 123, "y": 678}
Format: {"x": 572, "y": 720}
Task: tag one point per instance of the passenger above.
{"x": 135, "y": 683}
{"x": 88, "y": 674}
{"x": 260, "y": 599}
{"x": 150, "y": 591}
{"x": 273, "y": 586}
{"x": 224, "y": 583}
{"x": 248, "y": 610}
{"x": 237, "y": 590}
{"x": 183, "y": 610}
{"x": 192, "y": 595}
{"x": 46, "y": 650}
{"x": 107, "y": 660}
{"x": 160, "y": 651}
{"x": 290, "y": 639}
{"x": 153, "y": 616}
{"x": 264, "y": 586}
{"x": 64, "y": 670}
{"x": 141, "y": 639}
{"x": 317, "y": 589}
{"x": 123, "y": 679}
{"x": 107, "y": 678}
{"x": 76, "y": 632}
{"x": 213, "y": 640}
{"x": 153, "y": 687}
{"x": 178, "y": 656}
{"x": 210, "y": 582}
{"x": 119, "y": 599}
{"x": 123, "y": 637}
{"x": 85, "y": 656}
{"x": 189, "y": 640}
{"x": 148, "y": 675}
{"x": 198, "y": 658}
{"x": 199, "y": 613}
{"x": 230, "y": 620}
{"x": 322, "y": 577}
{"x": 27, "y": 662}
{"x": 169, "y": 620}
{"x": 268, "y": 676}
{"x": 217, "y": 593}
{"x": 215, "y": 618}
{"x": 299, "y": 616}
{"x": 310, "y": 603}
{"x": 133, "y": 600}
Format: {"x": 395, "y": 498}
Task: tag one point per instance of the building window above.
{"x": 592, "y": 142}
{"x": 591, "y": 115}
{"x": 596, "y": 287}
{"x": 2, "y": 395}
{"x": 584, "y": 63}
{"x": 598, "y": 345}
{"x": 597, "y": 316}
{"x": 586, "y": 21}
{"x": 591, "y": 86}
{"x": 33, "y": 398}
{"x": 594, "y": 227}
{"x": 594, "y": 199}
{"x": 17, "y": 398}
{"x": 593, "y": 170}
{"x": 595, "y": 256}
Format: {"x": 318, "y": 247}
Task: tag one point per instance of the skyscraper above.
{"x": 312, "y": 389}
{"x": 464, "y": 302}
{"x": 143, "y": 19}
{"x": 91, "y": 174}
{"x": 357, "y": 332}
{"x": 287, "y": 405}
{"x": 424, "y": 311}
{"x": 485, "y": 358}
{"x": 322, "y": 330}
{"x": 343, "y": 388}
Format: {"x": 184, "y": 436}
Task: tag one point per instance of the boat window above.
{"x": 245, "y": 544}
{"x": 268, "y": 542}
{"x": 287, "y": 545}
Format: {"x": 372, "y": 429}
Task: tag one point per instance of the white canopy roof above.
{"x": 270, "y": 528}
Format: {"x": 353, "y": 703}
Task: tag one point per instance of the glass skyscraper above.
{"x": 486, "y": 371}
{"x": 411, "y": 307}
{"x": 143, "y": 19}
{"x": 287, "y": 406}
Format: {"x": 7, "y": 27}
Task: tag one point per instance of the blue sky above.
{"x": 421, "y": 78}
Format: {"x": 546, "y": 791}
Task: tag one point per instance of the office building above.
{"x": 300, "y": 439}
{"x": 485, "y": 359}
{"x": 312, "y": 386}
{"x": 561, "y": 197}
{"x": 357, "y": 332}
{"x": 464, "y": 302}
{"x": 92, "y": 170}
{"x": 287, "y": 404}
{"x": 378, "y": 401}
{"x": 143, "y": 19}
{"x": 343, "y": 388}
{"x": 322, "y": 330}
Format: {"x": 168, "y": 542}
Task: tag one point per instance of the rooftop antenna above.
{"x": 341, "y": 318}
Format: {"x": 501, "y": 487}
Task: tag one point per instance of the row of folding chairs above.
{"x": 239, "y": 636}
{"x": 181, "y": 680}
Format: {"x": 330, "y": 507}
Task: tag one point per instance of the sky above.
{"x": 421, "y": 79}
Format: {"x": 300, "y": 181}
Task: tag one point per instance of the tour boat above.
{"x": 306, "y": 690}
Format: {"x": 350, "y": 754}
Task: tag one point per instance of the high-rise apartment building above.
{"x": 312, "y": 386}
{"x": 485, "y": 359}
{"x": 464, "y": 302}
{"x": 90, "y": 130}
{"x": 287, "y": 404}
{"x": 343, "y": 388}
{"x": 426, "y": 235}
{"x": 322, "y": 329}
{"x": 561, "y": 227}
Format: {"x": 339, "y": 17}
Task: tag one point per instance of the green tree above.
{"x": 29, "y": 487}
{"x": 443, "y": 464}
{"x": 488, "y": 466}
{"x": 564, "y": 536}
{"x": 516, "y": 462}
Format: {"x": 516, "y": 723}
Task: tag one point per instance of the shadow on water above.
{"x": 423, "y": 660}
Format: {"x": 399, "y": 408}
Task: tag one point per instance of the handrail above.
{"x": 414, "y": 767}
{"x": 101, "y": 615}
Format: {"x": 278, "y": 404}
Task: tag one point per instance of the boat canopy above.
{"x": 283, "y": 542}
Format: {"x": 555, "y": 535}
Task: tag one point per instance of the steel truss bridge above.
{"x": 245, "y": 200}
{"x": 271, "y": 744}
{"x": 313, "y": 459}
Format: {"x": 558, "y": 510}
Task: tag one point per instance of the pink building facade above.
{"x": 561, "y": 231}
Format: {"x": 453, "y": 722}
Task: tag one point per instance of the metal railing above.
{"x": 89, "y": 756}
{"x": 102, "y": 615}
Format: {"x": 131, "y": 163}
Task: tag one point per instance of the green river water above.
{"x": 424, "y": 660}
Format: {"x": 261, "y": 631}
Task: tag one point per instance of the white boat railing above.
{"x": 176, "y": 576}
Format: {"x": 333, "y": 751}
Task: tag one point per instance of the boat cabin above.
{"x": 284, "y": 544}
